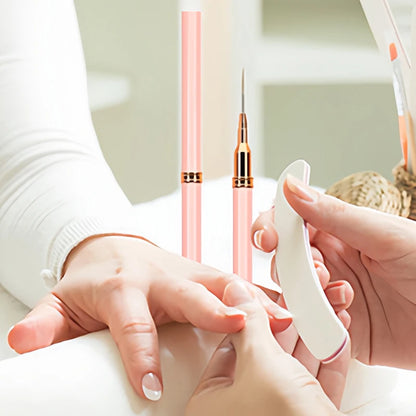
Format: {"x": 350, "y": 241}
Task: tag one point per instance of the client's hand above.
{"x": 251, "y": 374}
{"x": 131, "y": 286}
{"x": 376, "y": 254}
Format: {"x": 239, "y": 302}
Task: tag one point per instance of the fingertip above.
{"x": 23, "y": 337}
{"x": 8, "y": 333}
{"x": 237, "y": 293}
{"x": 265, "y": 238}
{"x": 340, "y": 294}
{"x": 16, "y": 338}
{"x": 235, "y": 320}
{"x": 264, "y": 235}
{"x": 349, "y": 293}
{"x": 322, "y": 272}
{"x": 280, "y": 318}
{"x": 345, "y": 318}
{"x": 232, "y": 326}
{"x": 151, "y": 387}
{"x": 11, "y": 338}
{"x": 279, "y": 325}
{"x": 273, "y": 271}
{"x": 232, "y": 312}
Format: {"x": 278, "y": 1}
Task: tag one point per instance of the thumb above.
{"x": 46, "y": 324}
{"x": 257, "y": 330}
{"x": 220, "y": 370}
{"x": 362, "y": 228}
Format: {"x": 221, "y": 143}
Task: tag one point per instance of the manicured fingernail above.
{"x": 300, "y": 189}
{"x": 234, "y": 312}
{"x": 241, "y": 293}
{"x": 257, "y": 238}
{"x": 336, "y": 295}
{"x": 152, "y": 388}
{"x": 342, "y": 295}
{"x": 281, "y": 313}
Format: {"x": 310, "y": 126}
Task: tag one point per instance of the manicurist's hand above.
{"x": 250, "y": 373}
{"x": 376, "y": 254}
{"x": 131, "y": 287}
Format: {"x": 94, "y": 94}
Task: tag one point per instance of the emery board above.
{"x": 313, "y": 316}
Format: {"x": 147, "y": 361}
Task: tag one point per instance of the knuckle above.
{"x": 182, "y": 289}
{"x": 137, "y": 327}
{"x": 337, "y": 206}
{"x": 225, "y": 279}
{"x": 106, "y": 291}
{"x": 305, "y": 380}
{"x": 111, "y": 284}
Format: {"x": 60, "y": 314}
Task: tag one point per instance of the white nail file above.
{"x": 313, "y": 316}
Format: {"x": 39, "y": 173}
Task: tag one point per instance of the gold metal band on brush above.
{"x": 243, "y": 182}
{"x": 191, "y": 177}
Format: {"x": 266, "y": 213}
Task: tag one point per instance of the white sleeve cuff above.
{"x": 72, "y": 235}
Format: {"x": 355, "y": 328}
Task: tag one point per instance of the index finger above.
{"x": 131, "y": 324}
{"x": 362, "y": 228}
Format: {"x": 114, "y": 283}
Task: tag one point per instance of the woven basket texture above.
{"x": 370, "y": 189}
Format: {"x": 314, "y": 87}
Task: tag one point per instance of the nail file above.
{"x": 313, "y": 316}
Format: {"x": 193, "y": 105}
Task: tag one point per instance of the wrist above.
{"x": 89, "y": 244}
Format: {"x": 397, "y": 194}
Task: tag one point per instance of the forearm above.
{"x": 55, "y": 186}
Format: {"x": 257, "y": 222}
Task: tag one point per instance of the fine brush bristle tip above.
{"x": 242, "y": 90}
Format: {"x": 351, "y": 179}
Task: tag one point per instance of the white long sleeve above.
{"x": 55, "y": 186}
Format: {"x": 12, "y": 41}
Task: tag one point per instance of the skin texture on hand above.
{"x": 251, "y": 374}
{"x": 131, "y": 287}
{"x": 376, "y": 254}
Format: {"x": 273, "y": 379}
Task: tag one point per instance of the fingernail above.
{"x": 152, "y": 388}
{"x": 342, "y": 296}
{"x": 281, "y": 313}
{"x": 234, "y": 312}
{"x": 337, "y": 295}
{"x": 300, "y": 189}
{"x": 241, "y": 293}
{"x": 257, "y": 238}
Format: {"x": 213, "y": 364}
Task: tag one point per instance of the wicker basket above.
{"x": 370, "y": 189}
{"x": 406, "y": 182}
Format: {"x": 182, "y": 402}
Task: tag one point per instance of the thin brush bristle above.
{"x": 242, "y": 91}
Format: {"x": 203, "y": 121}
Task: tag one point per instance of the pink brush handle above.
{"x": 242, "y": 250}
{"x": 191, "y": 221}
{"x": 191, "y": 91}
{"x": 191, "y": 135}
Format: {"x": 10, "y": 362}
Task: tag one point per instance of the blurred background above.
{"x": 318, "y": 88}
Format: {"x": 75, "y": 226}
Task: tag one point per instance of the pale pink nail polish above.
{"x": 257, "y": 238}
{"x": 301, "y": 190}
{"x": 152, "y": 388}
{"x": 281, "y": 313}
{"x": 234, "y": 312}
